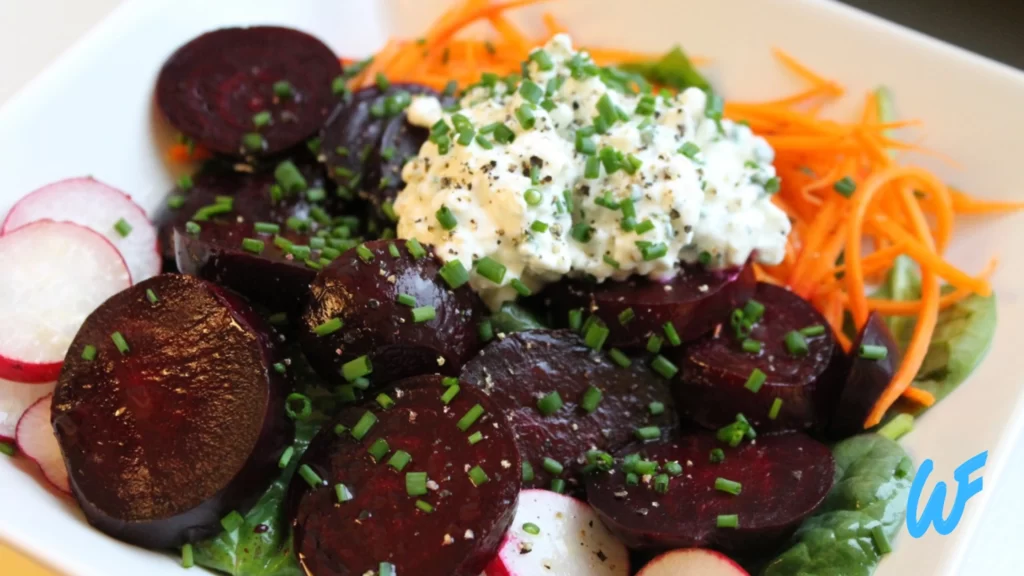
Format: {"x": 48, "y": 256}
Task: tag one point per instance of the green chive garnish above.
{"x": 626, "y": 316}
{"x": 717, "y": 455}
{"x": 661, "y": 483}
{"x": 342, "y": 493}
{"x": 881, "y": 540}
{"x": 773, "y": 413}
{"x": 266, "y": 228}
{"x": 728, "y": 521}
{"x": 654, "y": 344}
{"x": 648, "y": 433}
{"x": 751, "y": 346}
{"x": 656, "y": 408}
{"x": 531, "y": 528}
{"x": 364, "y": 253}
{"x": 673, "y": 468}
{"x": 399, "y": 460}
{"x": 305, "y": 406}
{"x": 7, "y": 449}
{"x": 873, "y": 352}
{"x": 123, "y": 228}
{"x": 795, "y": 343}
{"x": 366, "y": 421}
{"x": 475, "y": 437}
{"x": 283, "y": 89}
{"x": 486, "y": 330}
{"x": 446, "y": 218}
{"x": 552, "y": 466}
{"x": 815, "y": 330}
{"x": 519, "y": 287}
{"x": 286, "y": 457}
{"x": 477, "y": 476}
{"x": 261, "y": 119}
{"x": 558, "y": 486}
{"x": 470, "y": 417}
{"x": 424, "y": 506}
{"x": 527, "y": 472}
{"x": 357, "y": 368}
{"x": 690, "y": 150}
{"x": 728, "y": 486}
{"x": 596, "y": 335}
{"x": 415, "y": 483}
{"x": 415, "y": 248}
{"x": 620, "y": 358}
{"x": 385, "y": 401}
{"x": 288, "y": 176}
{"x": 846, "y": 186}
{"x": 406, "y": 300}
{"x": 575, "y": 319}
{"x": 755, "y": 380}
{"x": 253, "y": 245}
{"x": 550, "y": 403}
{"x": 312, "y": 478}
{"x": 423, "y": 314}
{"x": 450, "y": 393}
{"x": 454, "y": 274}
{"x": 663, "y": 366}
{"x": 120, "y": 342}
{"x": 491, "y": 269}
{"x": 591, "y": 399}
{"x": 89, "y": 353}
{"x": 187, "y": 556}
{"x": 329, "y": 327}
{"x": 252, "y": 141}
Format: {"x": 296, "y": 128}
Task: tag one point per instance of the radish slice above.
{"x": 15, "y": 398}
{"x": 571, "y": 540}
{"x": 99, "y": 207}
{"x": 692, "y": 562}
{"x": 37, "y": 441}
{"x": 52, "y": 275}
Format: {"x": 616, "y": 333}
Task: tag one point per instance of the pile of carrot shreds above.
{"x": 854, "y": 208}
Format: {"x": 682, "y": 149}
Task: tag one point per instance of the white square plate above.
{"x": 91, "y": 113}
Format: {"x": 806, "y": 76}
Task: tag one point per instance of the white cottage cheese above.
{"x": 697, "y": 185}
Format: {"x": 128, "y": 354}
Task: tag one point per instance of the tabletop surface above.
{"x": 31, "y": 37}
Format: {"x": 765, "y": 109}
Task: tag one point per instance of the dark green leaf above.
{"x": 962, "y": 337}
{"x": 514, "y": 318}
{"x": 673, "y": 70}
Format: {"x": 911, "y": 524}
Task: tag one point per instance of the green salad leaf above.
{"x": 674, "y": 70}
{"x": 962, "y": 337}
{"x": 901, "y": 283}
{"x": 860, "y": 516}
{"x": 262, "y": 545}
{"x": 512, "y": 317}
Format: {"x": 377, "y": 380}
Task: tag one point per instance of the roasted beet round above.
{"x": 213, "y": 89}
{"x": 399, "y": 142}
{"x": 694, "y": 302}
{"x": 782, "y": 478}
{"x": 448, "y": 523}
{"x": 520, "y": 369}
{"x": 712, "y": 386}
{"x": 396, "y": 310}
{"x": 865, "y": 380}
{"x": 252, "y": 200}
{"x": 179, "y": 418}
{"x": 226, "y": 253}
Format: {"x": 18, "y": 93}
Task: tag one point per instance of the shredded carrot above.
{"x": 181, "y": 153}
{"x": 965, "y": 204}
{"x": 922, "y": 397}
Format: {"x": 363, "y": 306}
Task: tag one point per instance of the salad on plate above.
{"x": 496, "y": 305}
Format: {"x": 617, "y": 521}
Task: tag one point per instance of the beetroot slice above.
{"x": 363, "y": 295}
{"x": 783, "y": 477}
{"x": 713, "y": 371}
{"x": 211, "y": 88}
{"x": 865, "y": 380}
{"x": 251, "y": 201}
{"x": 399, "y": 143}
{"x": 274, "y": 278}
{"x": 381, "y": 523}
{"x": 694, "y": 302}
{"x": 163, "y": 440}
{"x": 519, "y": 369}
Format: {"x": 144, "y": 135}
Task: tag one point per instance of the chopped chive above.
{"x": 175, "y": 201}
{"x": 89, "y": 353}
{"x": 366, "y": 421}
{"x": 387, "y": 568}
{"x": 342, "y": 493}
{"x": 550, "y": 403}
{"x": 491, "y": 269}
{"x": 151, "y": 296}
{"x": 385, "y": 401}
{"x": 575, "y": 319}
{"x": 532, "y": 196}
{"x": 815, "y": 330}
{"x": 340, "y": 429}
{"x": 611, "y": 261}
{"x": 423, "y": 314}
{"x": 558, "y": 486}
{"x": 773, "y": 413}
{"x": 356, "y": 368}
{"x": 661, "y": 483}
{"x": 897, "y": 427}
{"x": 524, "y": 114}
{"x": 531, "y": 92}
{"x": 415, "y": 248}
{"x": 120, "y": 342}
{"x": 399, "y": 460}
{"x": 873, "y": 352}
{"x": 663, "y": 366}
{"x": 454, "y": 274}
{"x": 280, "y": 368}
{"x": 266, "y": 228}
{"x": 596, "y": 335}
{"x": 881, "y": 540}
{"x": 728, "y": 486}
{"x": 644, "y": 227}
{"x": 632, "y": 479}
{"x": 288, "y": 176}
{"x": 253, "y": 141}
{"x": 477, "y": 476}
{"x": 470, "y": 417}
{"x": 283, "y": 89}
{"x": 379, "y": 449}
{"x": 538, "y": 226}
{"x": 552, "y": 466}
{"x": 717, "y": 455}
{"x": 486, "y": 330}
{"x": 187, "y": 556}
{"x": 656, "y": 408}
{"x": 581, "y": 232}
{"x": 312, "y": 478}
{"x": 845, "y": 186}
{"x": 620, "y": 358}
{"x": 795, "y": 343}
{"x": 527, "y": 472}
{"x": 542, "y": 59}
{"x": 483, "y": 142}
{"x": 626, "y": 316}
{"x": 531, "y": 528}
{"x": 316, "y": 194}
{"x": 503, "y": 134}
{"x": 592, "y": 168}
{"x": 772, "y": 185}
{"x": 123, "y": 228}
{"x": 253, "y": 245}
{"x": 654, "y": 344}
{"x": 415, "y": 483}
{"x": 753, "y": 310}
{"x": 261, "y": 119}
{"x": 305, "y": 406}
{"x": 424, "y": 506}
{"x": 728, "y": 521}
{"x": 449, "y": 394}
{"x": 364, "y": 253}
{"x": 653, "y": 251}
{"x": 185, "y": 183}
{"x": 751, "y": 346}
{"x": 645, "y": 467}
{"x": 584, "y": 145}
{"x": 690, "y": 150}
{"x": 406, "y": 300}
{"x": 648, "y": 433}
{"x": 329, "y": 327}
{"x": 591, "y": 399}
{"x": 673, "y": 468}
{"x": 520, "y": 288}
{"x": 475, "y": 437}
{"x": 904, "y": 468}
{"x": 755, "y": 380}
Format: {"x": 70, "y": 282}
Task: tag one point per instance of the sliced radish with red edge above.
{"x": 52, "y": 275}
{"x": 557, "y": 534}
{"x": 37, "y": 441}
{"x": 15, "y": 398}
{"x": 692, "y": 562}
{"x": 100, "y": 208}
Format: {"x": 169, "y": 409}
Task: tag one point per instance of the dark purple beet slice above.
{"x": 363, "y": 295}
{"x": 381, "y": 523}
{"x": 521, "y": 368}
{"x": 714, "y": 370}
{"x": 694, "y": 302}
{"x": 784, "y": 478}
{"x": 865, "y": 380}
{"x": 399, "y": 143}
{"x": 350, "y": 140}
{"x": 165, "y": 439}
{"x": 273, "y": 277}
{"x": 252, "y": 201}
{"x": 211, "y": 88}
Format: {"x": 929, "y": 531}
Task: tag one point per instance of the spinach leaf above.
{"x": 673, "y": 70}
{"x": 901, "y": 283}
{"x": 962, "y": 337}
{"x": 512, "y": 317}
{"x": 873, "y": 477}
{"x": 262, "y": 545}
